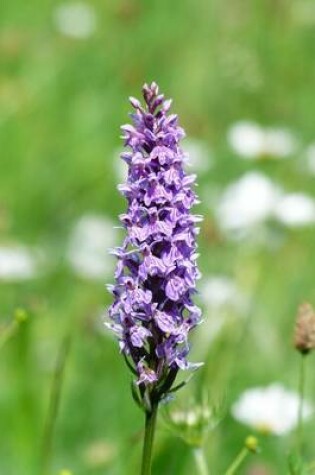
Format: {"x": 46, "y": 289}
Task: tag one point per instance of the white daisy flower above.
{"x": 279, "y": 143}
{"x": 89, "y": 243}
{"x": 18, "y": 263}
{"x": 295, "y": 210}
{"x": 75, "y": 19}
{"x": 251, "y": 141}
{"x": 246, "y": 139}
{"x": 247, "y": 202}
{"x": 272, "y": 409}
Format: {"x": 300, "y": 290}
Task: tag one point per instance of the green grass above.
{"x": 61, "y": 104}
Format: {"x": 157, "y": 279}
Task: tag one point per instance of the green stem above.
{"x": 300, "y": 428}
{"x": 237, "y": 462}
{"x": 150, "y": 423}
{"x": 200, "y": 460}
{"x": 54, "y": 403}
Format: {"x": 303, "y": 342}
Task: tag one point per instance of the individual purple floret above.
{"x": 153, "y": 311}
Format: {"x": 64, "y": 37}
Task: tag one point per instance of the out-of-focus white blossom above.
{"x": 221, "y": 291}
{"x": 295, "y": 210}
{"x": 75, "y": 19}
{"x": 189, "y": 417}
{"x": 251, "y": 141}
{"x": 279, "y": 143}
{"x": 254, "y": 198}
{"x": 195, "y": 419}
{"x": 88, "y": 250}
{"x": 272, "y": 409}
{"x": 247, "y": 202}
{"x": 18, "y": 263}
{"x": 246, "y": 139}
{"x": 199, "y": 156}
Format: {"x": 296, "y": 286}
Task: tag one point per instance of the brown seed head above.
{"x": 304, "y": 335}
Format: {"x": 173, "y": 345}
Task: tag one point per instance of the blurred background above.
{"x": 242, "y": 78}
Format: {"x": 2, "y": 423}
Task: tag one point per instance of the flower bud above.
{"x": 251, "y": 443}
{"x": 20, "y": 315}
{"x": 304, "y": 335}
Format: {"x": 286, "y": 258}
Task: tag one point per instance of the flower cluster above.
{"x": 193, "y": 419}
{"x": 156, "y": 271}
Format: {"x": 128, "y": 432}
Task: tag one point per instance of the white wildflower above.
{"x": 17, "y": 263}
{"x": 295, "y": 210}
{"x": 246, "y": 139}
{"x": 247, "y": 202}
{"x": 251, "y": 141}
{"x": 279, "y": 143}
{"x": 199, "y": 414}
{"x": 272, "y": 409}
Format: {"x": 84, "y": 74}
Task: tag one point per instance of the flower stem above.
{"x": 300, "y": 428}
{"x": 54, "y": 403}
{"x": 200, "y": 460}
{"x": 150, "y": 423}
{"x": 237, "y": 462}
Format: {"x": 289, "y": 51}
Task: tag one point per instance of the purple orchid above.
{"x": 153, "y": 312}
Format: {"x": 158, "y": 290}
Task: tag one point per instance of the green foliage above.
{"x": 296, "y": 464}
